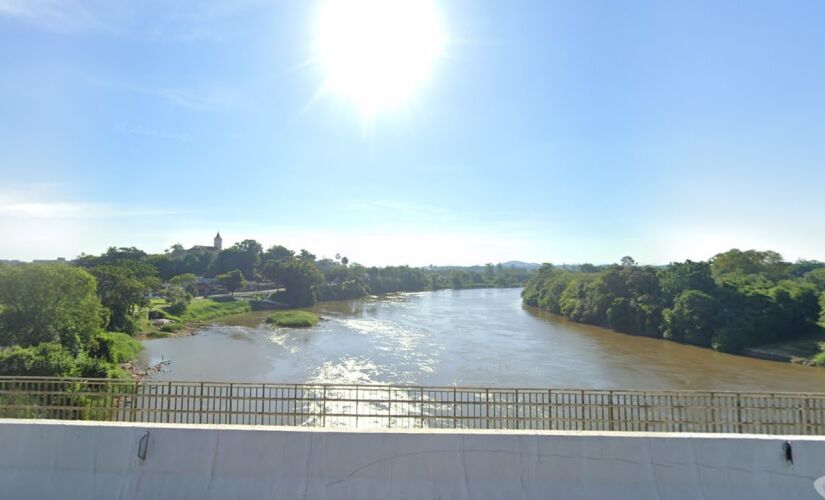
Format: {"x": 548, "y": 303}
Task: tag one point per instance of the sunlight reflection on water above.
{"x": 468, "y": 337}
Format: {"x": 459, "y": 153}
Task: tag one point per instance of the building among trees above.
{"x": 215, "y": 248}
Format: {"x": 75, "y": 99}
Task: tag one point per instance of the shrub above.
{"x": 115, "y": 347}
{"x": 293, "y": 319}
{"x": 171, "y": 327}
{"x": 48, "y": 359}
{"x": 819, "y": 359}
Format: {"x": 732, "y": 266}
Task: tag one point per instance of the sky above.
{"x": 542, "y": 131}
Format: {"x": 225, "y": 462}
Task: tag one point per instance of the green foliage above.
{"x": 692, "y": 319}
{"x": 244, "y": 256}
{"x": 737, "y": 300}
{"x": 50, "y": 319}
{"x": 180, "y": 262}
{"x": 688, "y": 275}
{"x": 232, "y": 281}
{"x": 293, "y": 319}
{"x": 51, "y": 359}
{"x": 300, "y": 277}
{"x": 767, "y": 263}
{"x": 48, "y": 303}
{"x": 278, "y": 252}
{"x": 115, "y": 347}
{"x": 819, "y": 359}
{"x": 121, "y": 291}
{"x": 124, "y": 279}
{"x": 816, "y": 278}
{"x": 802, "y": 267}
{"x": 343, "y": 282}
{"x": 48, "y": 359}
{"x": 208, "y": 309}
{"x": 187, "y": 281}
{"x": 822, "y": 308}
{"x": 177, "y": 298}
{"x": 630, "y": 316}
{"x": 172, "y": 327}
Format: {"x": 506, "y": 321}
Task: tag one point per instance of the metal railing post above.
{"x": 389, "y": 406}
{"x": 324, "y": 407}
{"x": 421, "y": 390}
{"x": 739, "y": 413}
{"x": 487, "y": 406}
{"x": 610, "y": 423}
{"x": 455, "y": 409}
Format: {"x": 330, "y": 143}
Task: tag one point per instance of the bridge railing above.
{"x": 390, "y": 406}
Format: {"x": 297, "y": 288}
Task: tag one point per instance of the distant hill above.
{"x": 511, "y": 264}
{"x": 520, "y": 265}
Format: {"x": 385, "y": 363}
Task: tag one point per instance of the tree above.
{"x": 816, "y": 278}
{"x": 187, "y": 281}
{"x": 48, "y": 303}
{"x": 766, "y": 263}
{"x": 278, "y": 252}
{"x": 121, "y": 290}
{"x": 822, "y": 310}
{"x": 300, "y": 277}
{"x": 245, "y": 256}
{"x": 344, "y": 261}
{"x": 113, "y": 256}
{"x": 692, "y": 319}
{"x": 306, "y": 255}
{"x": 628, "y": 261}
{"x": 688, "y": 275}
{"x": 232, "y": 281}
{"x": 803, "y": 267}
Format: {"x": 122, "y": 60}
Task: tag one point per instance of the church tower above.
{"x": 218, "y": 241}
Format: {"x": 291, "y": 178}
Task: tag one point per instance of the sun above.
{"x": 378, "y": 52}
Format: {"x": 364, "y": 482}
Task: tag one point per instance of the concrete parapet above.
{"x": 85, "y": 460}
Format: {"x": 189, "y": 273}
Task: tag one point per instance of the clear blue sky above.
{"x": 547, "y": 131}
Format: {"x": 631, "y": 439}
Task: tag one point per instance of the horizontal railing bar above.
{"x": 350, "y": 405}
{"x": 367, "y": 387}
{"x": 482, "y": 401}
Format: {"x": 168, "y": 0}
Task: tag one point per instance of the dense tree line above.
{"x": 127, "y": 277}
{"x": 51, "y": 324}
{"x": 69, "y": 319}
{"x": 735, "y": 300}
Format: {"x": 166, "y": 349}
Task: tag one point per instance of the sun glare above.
{"x": 377, "y": 52}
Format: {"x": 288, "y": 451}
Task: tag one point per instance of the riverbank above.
{"x": 161, "y": 322}
{"x": 480, "y": 337}
{"x": 806, "y": 350}
{"x": 203, "y": 310}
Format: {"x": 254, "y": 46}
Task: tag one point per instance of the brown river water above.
{"x": 482, "y": 337}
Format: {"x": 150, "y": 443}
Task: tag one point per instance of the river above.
{"x": 482, "y": 337}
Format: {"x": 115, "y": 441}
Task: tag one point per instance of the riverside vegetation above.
{"x": 736, "y": 301}
{"x": 294, "y": 319}
{"x": 79, "y": 318}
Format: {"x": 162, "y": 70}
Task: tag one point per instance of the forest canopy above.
{"x": 736, "y": 300}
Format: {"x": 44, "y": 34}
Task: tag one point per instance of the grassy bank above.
{"x": 806, "y": 350}
{"x": 293, "y": 319}
{"x": 201, "y": 310}
{"x": 120, "y": 348}
{"x": 198, "y": 311}
{"x": 107, "y": 352}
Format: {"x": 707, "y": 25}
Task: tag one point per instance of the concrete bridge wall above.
{"x": 76, "y": 460}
